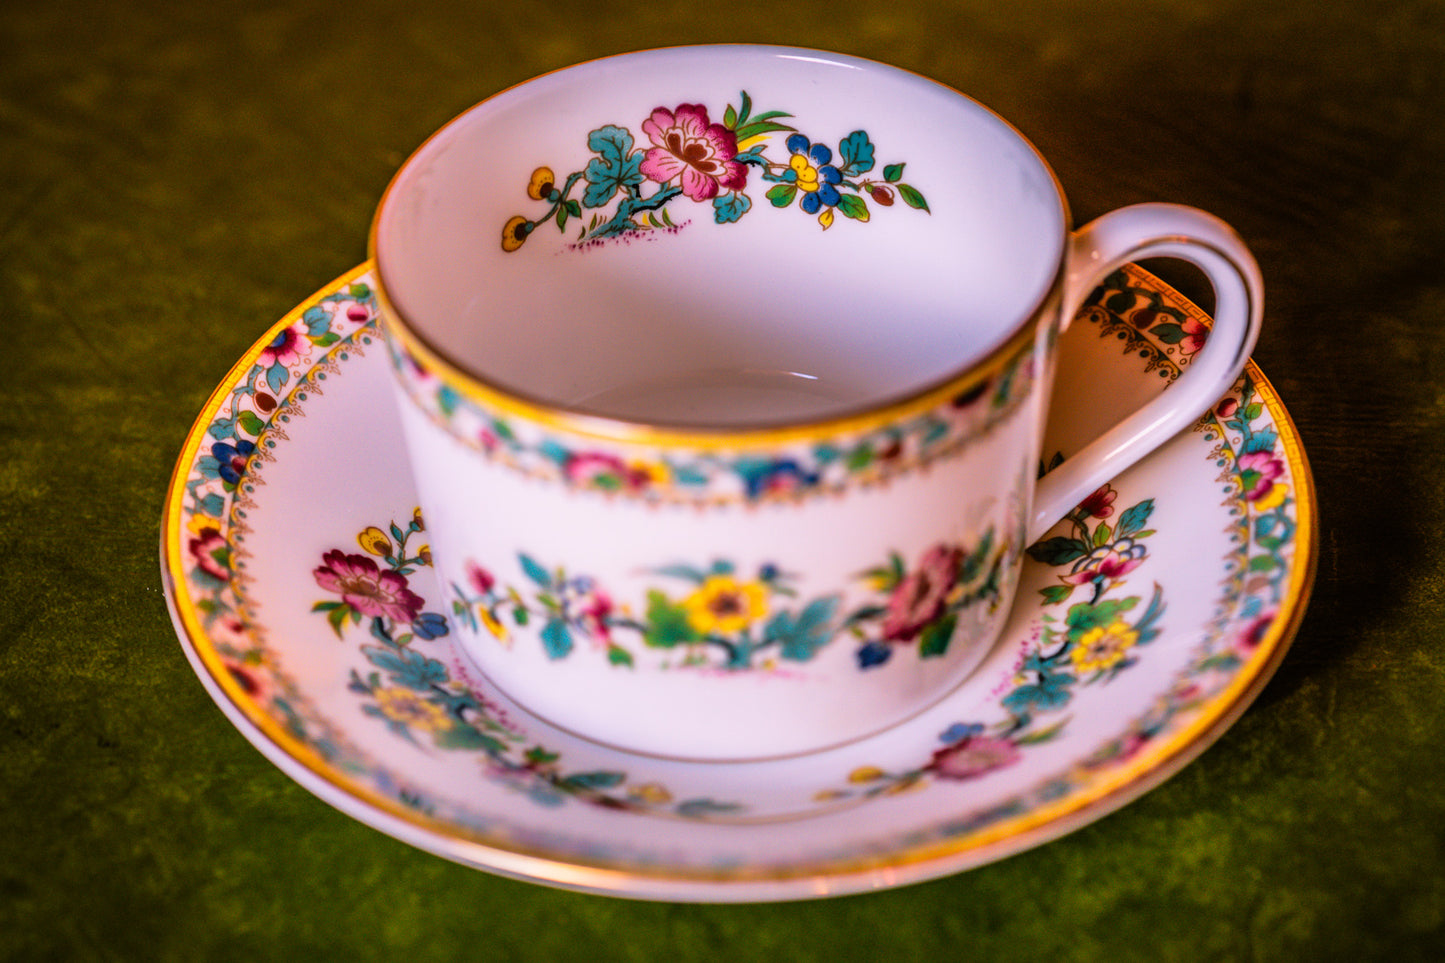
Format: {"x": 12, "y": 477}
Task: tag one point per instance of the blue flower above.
{"x": 811, "y": 168}
{"x": 429, "y": 625}
{"x": 231, "y": 459}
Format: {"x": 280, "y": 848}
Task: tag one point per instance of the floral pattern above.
{"x": 415, "y": 697}
{"x": 1089, "y": 644}
{"x": 630, "y": 187}
{"x": 724, "y": 619}
{"x": 680, "y": 474}
{"x": 409, "y": 690}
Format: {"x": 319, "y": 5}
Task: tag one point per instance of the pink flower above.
{"x": 1257, "y": 472}
{"x": 1107, "y": 562}
{"x": 593, "y": 613}
{"x": 288, "y": 347}
{"x": 690, "y": 149}
{"x": 920, "y": 597}
{"x": 1254, "y": 633}
{"x": 209, "y": 549}
{"x": 1100, "y": 504}
{"x": 973, "y": 757}
{"x": 366, "y": 588}
{"x": 1195, "y": 334}
{"x": 605, "y": 472}
{"x": 479, "y": 578}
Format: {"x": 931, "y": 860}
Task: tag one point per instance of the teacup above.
{"x": 723, "y": 373}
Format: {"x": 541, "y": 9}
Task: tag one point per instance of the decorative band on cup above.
{"x": 788, "y": 463}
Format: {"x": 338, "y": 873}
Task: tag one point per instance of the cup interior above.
{"x": 652, "y": 237}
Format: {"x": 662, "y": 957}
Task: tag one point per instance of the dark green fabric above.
{"x": 175, "y": 176}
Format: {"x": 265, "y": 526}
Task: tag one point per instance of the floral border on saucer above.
{"x": 1262, "y": 477}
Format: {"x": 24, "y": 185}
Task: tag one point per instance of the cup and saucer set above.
{"x": 730, "y": 478}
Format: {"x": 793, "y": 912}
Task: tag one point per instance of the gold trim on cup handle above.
{"x": 1106, "y": 244}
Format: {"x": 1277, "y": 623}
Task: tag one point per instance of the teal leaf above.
{"x": 1133, "y": 521}
{"x": 729, "y": 208}
{"x": 212, "y": 504}
{"x": 594, "y": 780}
{"x": 857, "y": 154}
{"x": 556, "y": 639}
{"x": 534, "y": 570}
{"x": 277, "y": 376}
{"x": 612, "y": 169}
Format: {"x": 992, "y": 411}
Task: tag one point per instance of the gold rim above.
{"x": 498, "y": 854}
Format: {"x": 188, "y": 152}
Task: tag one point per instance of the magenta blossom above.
{"x": 920, "y": 597}
{"x": 1101, "y": 503}
{"x": 691, "y": 150}
{"x": 366, "y": 588}
{"x": 1257, "y": 473}
{"x": 288, "y": 347}
{"x": 210, "y": 551}
{"x": 973, "y": 757}
{"x": 605, "y": 472}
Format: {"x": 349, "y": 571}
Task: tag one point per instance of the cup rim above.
{"x": 868, "y": 415}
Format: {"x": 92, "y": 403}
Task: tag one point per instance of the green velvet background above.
{"x": 176, "y": 175}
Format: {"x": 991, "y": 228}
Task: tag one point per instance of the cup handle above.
{"x": 1106, "y": 244}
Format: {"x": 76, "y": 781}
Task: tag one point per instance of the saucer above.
{"x": 294, "y": 556}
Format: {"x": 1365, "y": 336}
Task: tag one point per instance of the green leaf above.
{"x": 667, "y": 623}
{"x": 853, "y": 205}
{"x": 465, "y": 737}
{"x": 935, "y": 638}
{"x": 1102, "y": 534}
{"x": 782, "y": 194}
{"x": 617, "y": 655}
{"x": 893, "y": 173}
{"x": 336, "y": 618}
{"x": 1042, "y": 735}
{"x": 1055, "y": 594}
{"x": 912, "y": 198}
{"x": 251, "y": 423}
{"x": 1168, "y": 333}
{"x": 1262, "y": 563}
{"x": 1059, "y": 550}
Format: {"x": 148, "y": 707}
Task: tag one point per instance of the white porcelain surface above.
{"x": 721, "y": 263}
{"x": 1118, "y": 664}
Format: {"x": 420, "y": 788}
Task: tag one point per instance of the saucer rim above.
{"x": 740, "y": 883}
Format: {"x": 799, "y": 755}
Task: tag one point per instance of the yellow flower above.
{"x": 498, "y": 630}
{"x": 652, "y": 794}
{"x": 723, "y": 604}
{"x": 514, "y": 233}
{"x": 1273, "y": 498}
{"x": 541, "y": 184}
{"x": 1104, "y": 646}
{"x": 806, "y": 173}
{"x": 374, "y": 540}
{"x": 409, "y": 707}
